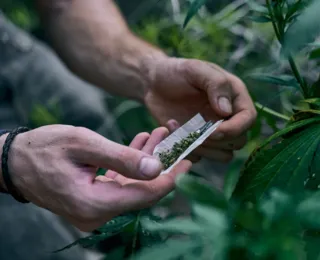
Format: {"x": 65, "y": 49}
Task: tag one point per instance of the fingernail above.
{"x": 225, "y": 105}
{"x": 150, "y": 167}
{"x": 217, "y": 136}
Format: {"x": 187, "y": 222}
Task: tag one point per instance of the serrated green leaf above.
{"x": 284, "y": 165}
{"x": 259, "y": 19}
{"x": 304, "y": 30}
{"x": 292, "y": 127}
{"x": 86, "y": 242}
{"x": 111, "y": 228}
{"x": 194, "y": 8}
{"x": 117, "y": 223}
{"x": 282, "y": 80}
{"x": 198, "y": 190}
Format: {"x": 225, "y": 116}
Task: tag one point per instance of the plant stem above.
{"x": 292, "y": 63}
{"x": 297, "y": 74}
{"x": 273, "y": 20}
{"x": 271, "y": 112}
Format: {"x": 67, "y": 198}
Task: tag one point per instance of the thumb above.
{"x": 215, "y": 82}
{"x": 127, "y": 161}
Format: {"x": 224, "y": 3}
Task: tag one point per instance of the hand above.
{"x": 181, "y": 88}
{"x": 55, "y": 168}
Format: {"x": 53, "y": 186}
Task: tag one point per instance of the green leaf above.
{"x": 111, "y": 228}
{"x": 294, "y": 8}
{"x": 283, "y": 80}
{"x": 284, "y": 165}
{"x": 260, "y": 19}
{"x": 254, "y": 6}
{"x": 314, "y": 54}
{"x": 194, "y": 8}
{"x": 182, "y": 226}
{"x": 86, "y": 242}
{"x": 292, "y": 127}
{"x": 312, "y": 101}
{"x": 304, "y": 30}
{"x": 312, "y": 242}
{"x": 172, "y": 249}
{"x": 232, "y": 176}
{"x": 309, "y": 211}
{"x": 313, "y": 182}
{"x": 276, "y": 206}
{"x": 213, "y": 221}
{"x": 198, "y": 190}
{"x": 117, "y": 223}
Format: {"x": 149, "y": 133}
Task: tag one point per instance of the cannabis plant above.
{"x": 273, "y": 211}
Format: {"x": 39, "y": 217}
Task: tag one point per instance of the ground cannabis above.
{"x": 170, "y": 156}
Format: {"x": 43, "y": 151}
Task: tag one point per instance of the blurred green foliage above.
{"x": 280, "y": 225}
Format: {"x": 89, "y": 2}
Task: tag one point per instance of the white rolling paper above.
{"x": 192, "y": 125}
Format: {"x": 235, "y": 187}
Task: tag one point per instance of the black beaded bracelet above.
{"x": 4, "y": 164}
{"x": 3, "y": 132}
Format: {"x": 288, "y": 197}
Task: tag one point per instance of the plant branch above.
{"x": 271, "y": 112}
{"x": 297, "y": 74}
{"x": 292, "y": 63}
{"x": 273, "y": 20}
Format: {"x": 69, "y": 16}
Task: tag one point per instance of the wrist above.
{"x": 10, "y": 155}
{"x": 3, "y": 188}
{"x": 149, "y": 64}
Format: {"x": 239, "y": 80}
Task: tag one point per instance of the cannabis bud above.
{"x": 183, "y": 141}
{"x": 170, "y": 156}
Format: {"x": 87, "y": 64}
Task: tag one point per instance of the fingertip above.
{"x": 173, "y": 125}
{"x": 160, "y": 131}
{"x": 150, "y": 167}
{"x": 140, "y": 140}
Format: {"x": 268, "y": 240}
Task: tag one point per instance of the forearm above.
{"x": 94, "y": 41}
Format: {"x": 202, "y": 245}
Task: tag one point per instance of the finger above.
{"x": 172, "y": 125}
{"x": 141, "y": 195}
{"x": 244, "y": 113}
{"x": 155, "y": 138}
{"x": 139, "y": 141}
{"x": 146, "y": 143}
{"x": 93, "y": 149}
{"x": 215, "y": 154}
{"x": 215, "y": 83}
{"x": 234, "y": 144}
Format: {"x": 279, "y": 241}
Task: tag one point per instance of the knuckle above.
{"x": 189, "y": 65}
{"x": 241, "y": 143}
{"x": 227, "y": 157}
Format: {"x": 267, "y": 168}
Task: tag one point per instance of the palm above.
{"x": 144, "y": 193}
